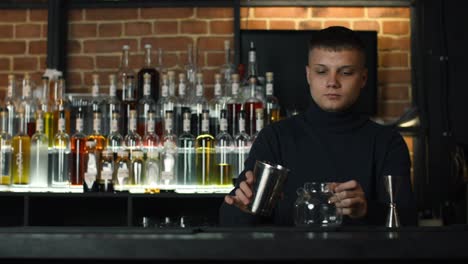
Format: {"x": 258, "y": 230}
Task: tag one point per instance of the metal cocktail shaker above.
{"x": 391, "y": 186}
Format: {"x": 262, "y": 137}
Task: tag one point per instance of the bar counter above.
{"x": 214, "y": 244}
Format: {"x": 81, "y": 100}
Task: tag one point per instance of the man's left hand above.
{"x": 350, "y": 198}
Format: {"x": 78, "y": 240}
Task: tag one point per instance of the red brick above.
{"x": 42, "y": 63}
{"x": 244, "y": 12}
{"x": 75, "y": 15}
{"x": 166, "y": 27}
{"x": 73, "y": 46}
{"x": 44, "y": 30}
{"x": 194, "y": 27}
{"x": 338, "y": 12}
{"x": 366, "y": 25}
{"x": 82, "y": 31}
{"x": 215, "y": 59}
{"x": 392, "y": 43}
{"x": 214, "y": 12}
{"x": 38, "y": 14}
{"x": 6, "y": 31}
{"x": 12, "y": 47}
{"x": 274, "y": 12}
{"x": 25, "y": 64}
{"x": 74, "y": 78}
{"x": 381, "y": 12}
{"x": 136, "y": 61}
{"x": 3, "y": 83}
{"x": 222, "y": 27}
{"x": 394, "y": 59}
{"x": 171, "y": 60}
{"x": 212, "y": 43}
{"x": 13, "y": 15}
{"x": 158, "y": 13}
{"x": 394, "y": 76}
{"x": 38, "y": 47}
{"x": 110, "y": 30}
{"x": 169, "y": 43}
{"x": 399, "y": 92}
{"x": 108, "y": 45}
{"x": 103, "y": 79}
{"x": 4, "y": 64}
{"x": 396, "y": 27}
{"x": 28, "y": 31}
{"x": 310, "y": 25}
{"x": 274, "y": 24}
{"x": 107, "y": 62}
{"x": 393, "y": 109}
{"x": 80, "y": 63}
{"x": 253, "y": 24}
{"x": 138, "y": 28}
{"x": 101, "y": 14}
{"x": 342, "y": 23}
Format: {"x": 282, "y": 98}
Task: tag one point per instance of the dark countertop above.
{"x": 223, "y": 244}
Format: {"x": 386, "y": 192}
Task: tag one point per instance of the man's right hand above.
{"x": 243, "y": 194}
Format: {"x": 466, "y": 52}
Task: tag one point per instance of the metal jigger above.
{"x": 391, "y": 185}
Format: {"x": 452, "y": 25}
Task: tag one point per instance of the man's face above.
{"x": 335, "y": 78}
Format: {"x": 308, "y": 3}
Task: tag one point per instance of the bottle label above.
{"x": 186, "y": 125}
{"x": 19, "y": 162}
{"x": 10, "y": 90}
{"x": 241, "y": 125}
{"x": 132, "y": 124}
{"x": 79, "y": 124}
{"x": 181, "y": 88}
{"x": 223, "y": 124}
{"x": 205, "y": 124}
{"x": 106, "y": 175}
{"x": 217, "y": 89}
{"x": 269, "y": 89}
{"x": 146, "y": 89}
{"x": 114, "y": 125}
{"x": 112, "y": 90}
{"x": 95, "y": 90}
{"x": 27, "y": 90}
{"x": 151, "y": 125}
{"x": 164, "y": 90}
{"x": 252, "y": 56}
{"x": 39, "y": 125}
{"x": 122, "y": 174}
{"x": 168, "y": 123}
{"x": 167, "y": 176}
{"x": 199, "y": 90}
{"x": 97, "y": 124}
{"x": 235, "y": 88}
{"x": 259, "y": 124}
{"x": 61, "y": 124}
{"x": 89, "y": 178}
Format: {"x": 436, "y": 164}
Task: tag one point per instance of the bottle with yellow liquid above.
{"x": 47, "y": 107}
{"x": 21, "y": 154}
{"x": 272, "y": 104}
{"x": 5, "y": 150}
{"x": 205, "y": 153}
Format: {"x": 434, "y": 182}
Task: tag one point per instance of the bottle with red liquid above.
{"x": 234, "y": 105}
{"x": 78, "y": 148}
{"x": 250, "y": 106}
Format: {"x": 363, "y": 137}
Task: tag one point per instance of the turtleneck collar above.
{"x": 336, "y": 122}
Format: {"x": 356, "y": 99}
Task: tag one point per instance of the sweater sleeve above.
{"x": 262, "y": 149}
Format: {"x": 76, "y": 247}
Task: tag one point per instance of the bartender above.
{"x": 330, "y": 142}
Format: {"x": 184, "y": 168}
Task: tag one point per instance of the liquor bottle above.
{"x": 78, "y": 152}
{"x": 115, "y": 139}
{"x": 150, "y": 140}
{"x": 259, "y": 123}
{"x": 160, "y": 114}
{"x": 250, "y": 106}
{"x": 112, "y": 105}
{"x": 190, "y": 70}
{"x": 61, "y": 154}
{"x": 145, "y": 105}
{"x": 154, "y": 77}
{"x": 186, "y": 154}
{"x": 122, "y": 170}
{"x": 272, "y": 104}
{"x": 132, "y": 140}
{"x": 234, "y": 105}
{"x": 242, "y": 146}
{"x": 172, "y": 101}
{"x": 252, "y": 72}
{"x": 21, "y": 154}
{"x": 224, "y": 152}
{"x": 168, "y": 155}
{"x": 11, "y": 106}
{"x": 105, "y": 182}
{"x": 215, "y": 105}
{"x": 5, "y": 150}
{"x": 137, "y": 169}
{"x": 205, "y": 153}
{"x": 47, "y": 108}
{"x": 97, "y": 137}
{"x": 92, "y": 167}
{"x": 183, "y": 103}
{"x": 28, "y": 105}
{"x": 129, "y": 103}
{"x": 227, "y": 69}
{"x": 62, "y": 104}
{"x": 39, "y": 154}
{"x": 198, "y": 105}
{"x": 124, "y": 72}
{"x": 160, "y": 67}
{"x": 96, "y": 105}
{"x": 152, "y": 170}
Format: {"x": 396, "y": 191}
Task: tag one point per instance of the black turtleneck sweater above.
{"x": 319, "y": 146}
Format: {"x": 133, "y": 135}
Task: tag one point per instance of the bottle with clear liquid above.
{"x": 272, "y": 103}
{"x": 183, "y": 103}
{"x": 78, "y": 152}
{"x": 112, "y": 105}
{"x": 21, "y": 154}
{"x": 205, "y": 153}
{"x": 47, "y": 108}
{"x": 234, "y": 105}
{"x": 28, "y": 105}
{"x": 152, "y": 171}
{"x": 92, "y": 167}
{"x": 215, "y": 105}
{"x": 129, "y": 103}
{"x": 198, "y": 105}
{"x": 172, "y": 101}
{"x": 11, "y": 106}
{"x": 105, "y": 182}
{"x": 39, "y": 154}
{"x": 168, "y": 155}
{"x": 150, "y": 140}
{"x": 137, "y": 169}
{"x": 242, "y": 147}
{"x": 160, "y": 67}
{"x": 145, "y": 105}
{"x": 124, "y": 72}
{"x": 96, "y": 105}
{"x": 160, "y": 114}
{"x": 153, "y": 75}
{"x": 132, "y": 140}
{"x": 62, "y": 104}
{"x": 61, "y": 155}
{"x": 259, "y": 123}
{"x": 251, "y": 105}
{"x": 224, "y": 153}
{"x": 186, "y": 174}
{"x": 5, "y": 150}
{"x": 115, "y": 139}
{"x": 122, "y": 170}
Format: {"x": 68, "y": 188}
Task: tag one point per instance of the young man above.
{"x": 330, "y": 142}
